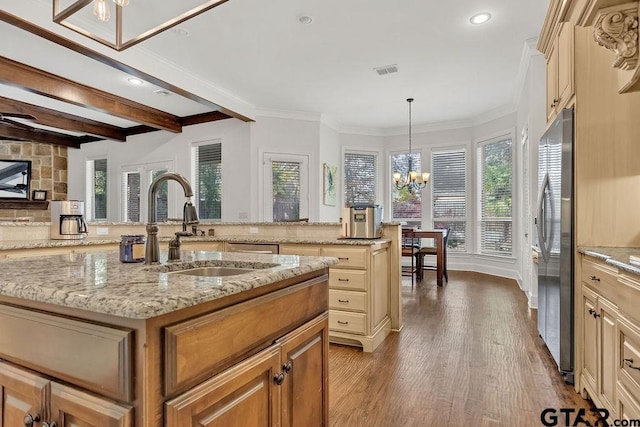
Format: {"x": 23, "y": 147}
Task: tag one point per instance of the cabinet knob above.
{"x": 287, "y": 367}
{"x": 278, "y": 379}
{"x": 596, "y": 315}
{"x": 629, "y": 363}
{"x": 29, "y": 420}
{"x": 592, "y": 311}
{"x": 595, "y": 278}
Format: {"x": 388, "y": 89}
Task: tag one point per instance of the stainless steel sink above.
{"x": 215, "y": 271}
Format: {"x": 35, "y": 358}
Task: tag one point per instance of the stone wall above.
{"x": 48, "y": 172}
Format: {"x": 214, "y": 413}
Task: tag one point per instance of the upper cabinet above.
{"x": 560, "y": 71}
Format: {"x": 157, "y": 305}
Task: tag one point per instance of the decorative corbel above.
{"x": 616, "y": 29}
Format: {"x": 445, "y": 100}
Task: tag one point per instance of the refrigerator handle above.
{"x": 541, "y": 223}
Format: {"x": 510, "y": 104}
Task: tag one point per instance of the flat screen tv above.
{"x": 14, "y": 179}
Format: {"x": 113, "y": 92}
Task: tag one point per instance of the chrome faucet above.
{"x": 189, "y": 213}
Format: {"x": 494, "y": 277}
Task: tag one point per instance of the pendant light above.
{"x": 101, "y": 10}
{"x": 413, "y": 181}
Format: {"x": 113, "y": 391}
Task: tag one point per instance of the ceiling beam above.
{"x": 57, "y": 119}
{"x": 211, "y": 116}
{"x": 56, "y": 87}
{"x": 113, "y": 63}
{"x": 39, "y": 135}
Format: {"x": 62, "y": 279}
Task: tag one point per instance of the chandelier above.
{"x": 413, "y": 181}
{"x": 135, "y": 21}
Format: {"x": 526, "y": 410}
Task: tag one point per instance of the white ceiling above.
{"x": 254, "y": 55}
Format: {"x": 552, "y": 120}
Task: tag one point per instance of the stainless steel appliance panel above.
{"x": 554, "y": 225}
{"x": 365, "y": 222}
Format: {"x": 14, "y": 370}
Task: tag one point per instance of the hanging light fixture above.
{"x": 132, "y": 24}
{"x": 413, "y": 181}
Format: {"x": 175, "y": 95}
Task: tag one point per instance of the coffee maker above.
{"x": 67, "y": 220}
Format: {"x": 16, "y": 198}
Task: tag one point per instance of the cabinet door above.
{"x": 564, "y": 82}
{"x": 305, "y": 356}
{"x": 607, "y": 355}
{"x": 245, "y": 395}
{"x": 552, "y": 83}
{"x": 74, "y": 408}
{"x": 22, "y": 394}
{"x": 589, "y": 337}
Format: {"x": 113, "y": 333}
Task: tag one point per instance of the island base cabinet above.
{"x": 29, "y": 399}
{"x": 283, "y": 385}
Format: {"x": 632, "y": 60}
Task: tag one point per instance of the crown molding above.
{"x": 309, "y": 116}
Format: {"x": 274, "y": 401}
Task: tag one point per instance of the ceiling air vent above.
{"x": 387, "y": 69}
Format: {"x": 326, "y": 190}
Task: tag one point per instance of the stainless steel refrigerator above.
{"x": 554, "y": 224}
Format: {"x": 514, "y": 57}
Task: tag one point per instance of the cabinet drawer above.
{"x": 347, "y": 300}
{"x": 347, "y": 279}
{"x": 348, "y": 257}
{"x": 199, "y": 347}
{"x": 344, "y": 321}
{"x": 300, "y": 250}
{"x": 629, "y": 295}
{"x": 41, "y": 341}
{"x": 628, "y": 407}
{"x": 629, "y": 362}
{"x": 600, "y": 276}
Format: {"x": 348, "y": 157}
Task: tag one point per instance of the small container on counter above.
{"x": 132, "y": 248}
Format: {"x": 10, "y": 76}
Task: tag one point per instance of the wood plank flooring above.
{"x": 469, "y": 355}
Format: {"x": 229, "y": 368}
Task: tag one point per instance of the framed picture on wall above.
{"x": 39, "y": 195}
{"x": 15, "y": 176}
{"x": 329, "y": 196}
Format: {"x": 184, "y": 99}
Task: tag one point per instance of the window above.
{"x": 496, "y": 180}
{"x": 162, "y": 195}
{"x": 286, "y": 187}
{"x": 96, "y": 206}
{"x": 449, "y": 195}
{"x": 360, "y": 175}
{"x": 406, "y": 206}
{"x": 131, "y": 196}
{"x": 206, "y": 170}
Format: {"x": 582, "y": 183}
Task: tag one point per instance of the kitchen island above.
{"x": 88, "y": 340}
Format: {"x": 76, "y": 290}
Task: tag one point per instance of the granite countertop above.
{"x": 99, "y": 282}
{"x": 48, "y": 243}
{"x": 617, "y": 257}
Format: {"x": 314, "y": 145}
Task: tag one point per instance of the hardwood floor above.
{"x": 469, "y": 355}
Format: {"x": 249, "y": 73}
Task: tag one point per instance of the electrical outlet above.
{"x": 253, "y": 230}
{"x": 102, "y": 231}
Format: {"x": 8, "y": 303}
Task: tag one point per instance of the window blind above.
{"x": 360, "y": 176}
{"x": 162, "y": 196}
{"x": 496, "y": 198}
{"x": 100, "y": 188}
{"x": 449, "y": 195}
{"x": 207, "y": 178}
{"x": 286, "y": 190}
{"x": 131, "y": 192}
{"x": 407, "y": 206}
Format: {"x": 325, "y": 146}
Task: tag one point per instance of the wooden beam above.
{"x": 107, "y": 60}
{"x": 57, "y": 119}
{"x": 211, "y": 116}
{"x": 56, "y": 87}
{"x": 39, "y": 135}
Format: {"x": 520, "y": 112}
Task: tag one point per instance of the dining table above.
{"x": 438, "y": 236}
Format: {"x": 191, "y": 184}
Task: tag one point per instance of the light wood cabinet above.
{"x": 560, "y": 71}
{"x": 30, "y": 399}
{"x": 359, "y": 291}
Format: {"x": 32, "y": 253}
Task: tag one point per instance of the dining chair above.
{"x": 411, "y": 249}
{"x": 432, "y": 250}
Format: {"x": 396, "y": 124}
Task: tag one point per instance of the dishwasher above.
{"x": 253, "y": 248}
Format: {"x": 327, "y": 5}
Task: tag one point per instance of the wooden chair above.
{"x": 410, "y": 248}
{"x": 431, "y": 250}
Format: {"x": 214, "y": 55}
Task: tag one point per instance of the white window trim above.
{"x": 379, "y": 171}
{"x": 192, "y": 178}
{"x": 90, "y": 188}
{"x": 515, "y": 240}
{"x": 175, "y": 194}
{"x": 268, "y": 159}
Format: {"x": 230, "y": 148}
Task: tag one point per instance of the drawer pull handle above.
{"x": 29, "y": 420}
{"x": 629, "y": 363}
{"x": 279, "y": 378}
{"x": 346, "y": 301}
{"x": 340, "y": 322}
{"x": 343, "y": 280}
{"x": 343, "y": 259}
{"x": 595, "y": 278}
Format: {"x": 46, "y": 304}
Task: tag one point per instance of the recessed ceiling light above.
{"x": 135, "y": 81}
{"x": 305, "y": 19}
{"x": 181, "y": 31}
{"x": 480, "y": 18}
